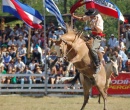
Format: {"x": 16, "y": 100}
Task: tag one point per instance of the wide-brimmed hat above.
{"x": 92, "y": 12}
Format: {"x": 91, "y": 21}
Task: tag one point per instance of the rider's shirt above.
{"x": 96, "y": 23}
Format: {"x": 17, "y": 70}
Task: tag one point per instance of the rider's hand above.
{"x": 73, "y": 14}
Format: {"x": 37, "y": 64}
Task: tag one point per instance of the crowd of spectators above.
{"x": 14, "y": 53}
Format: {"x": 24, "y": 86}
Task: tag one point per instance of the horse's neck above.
{"x": 108, "y": 68}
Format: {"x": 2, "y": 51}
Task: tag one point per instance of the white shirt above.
{"x": 20, "y": 65}
{"x": 12, "y": 42}
{"x": 32, "y": 66}
{"x": 112, "y": 42}
{"x": 96, "y": 22}
{"x": 22, "y": 51}
{"x": 20, "y": 43}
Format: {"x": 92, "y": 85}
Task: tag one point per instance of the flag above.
{"x": 104, "y": 6}
{"x": 23, "y": 12}
{"x": 53, "y": 9}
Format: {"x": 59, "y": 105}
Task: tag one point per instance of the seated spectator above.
{"x": 41, "y": 40}
{"x": 14, "y": 33}
{"x": 32, "y": 65}
{"x": 19, "y": 65}
{"x": 22, "y": 53}
{"x": 11, "y": 64}
{"x": 26, "y": 79}
{"x": 37, "y": 54}
{"x": 7, "y": 58}
{"x": 20, "y": 41}
{"x": 35, "y": 37}
{"x": 103, "y": 42}
{"x": 13, "y": 51}
{"x": 59, "y": 32}
{"x": 52, "y": 76}
{"x": 38, "y": 79}
{"x": 112, "y": 40}
{"x": 1, "y": 41}
{"x": 12, "y": 41}
{"x": 11, "y": 79}
{"x": 124, "y": 58}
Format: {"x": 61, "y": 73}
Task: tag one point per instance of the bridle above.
{"x": 77, "y": 36}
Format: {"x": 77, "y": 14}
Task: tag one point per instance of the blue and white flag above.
{"x": 23, "y": 12}
{"x": 53, "y": 9}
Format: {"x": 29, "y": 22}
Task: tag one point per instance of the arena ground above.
{"x": 55, "y": 103}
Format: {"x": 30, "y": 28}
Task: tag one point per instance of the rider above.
{"x": 96, "y": 24}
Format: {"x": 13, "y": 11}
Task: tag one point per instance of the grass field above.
{"x": 55, "y": 103}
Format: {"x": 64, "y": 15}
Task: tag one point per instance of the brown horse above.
{"x": 75, "y": 49}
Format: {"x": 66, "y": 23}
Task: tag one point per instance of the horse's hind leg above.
{"x": 86, "y": 87}
{"x": 99, "y": 98}
{"x": 104, "y": 95}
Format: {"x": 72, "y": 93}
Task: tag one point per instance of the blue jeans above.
{"x": 124, "y": 64}
{"x": 29, "y": 80}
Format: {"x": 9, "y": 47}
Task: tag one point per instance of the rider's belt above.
{"x": 98, "y": 34}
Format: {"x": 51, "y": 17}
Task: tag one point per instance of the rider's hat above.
{"x": 92, "y": 12}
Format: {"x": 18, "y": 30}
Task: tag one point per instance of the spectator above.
{"x": 14, "y": 33}
{"x": 118, "y": 59}
{"x": 103, "y": 42}
{"x": 32, "y": 65}
{"x": 1, "y": 41}
{"x": 38, "y": 79}
{"x": 7, "y": 58}
{"x": 19, "y": 65}
{"x": 59, "y": 32}
{"x": 26, "y": 79}
{"x": 127, "y": 36}
{"x": 12, "y": 41}
{"x": 13, "y": 51}
{"x": 112, "y": 41}
{"x": 21, "y": 41}
{"x": 41, "y": 40}
{"x": 37, "y": 54}
{"x": 22, "y": 53}
{"x": 35, "y": 38}
{"x": 124, "y": 58}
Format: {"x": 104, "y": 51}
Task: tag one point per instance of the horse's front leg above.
{"x": 77, "y": 58}
{"x": 86, "y": 87}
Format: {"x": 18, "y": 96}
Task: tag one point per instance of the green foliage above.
{"x": 110, "y": 24}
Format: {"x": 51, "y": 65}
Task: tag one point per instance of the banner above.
{"x": 104, "y": 6}
{"x": 120, "y": 85}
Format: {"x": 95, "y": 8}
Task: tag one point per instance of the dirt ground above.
{"x": 56, "y": 103}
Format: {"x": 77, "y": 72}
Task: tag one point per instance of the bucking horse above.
{"x": 74, "y": 48}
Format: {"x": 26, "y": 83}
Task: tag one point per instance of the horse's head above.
{"x": 114, "y": 68}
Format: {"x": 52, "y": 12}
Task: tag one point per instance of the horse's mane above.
{"x": 70, "y": 29}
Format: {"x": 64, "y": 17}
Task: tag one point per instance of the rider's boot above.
{"x": 97, "y": 64}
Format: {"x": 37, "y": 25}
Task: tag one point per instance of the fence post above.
{"x": 0, "y": 83}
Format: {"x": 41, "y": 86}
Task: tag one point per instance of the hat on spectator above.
{"x": 36, "y": 32}
{"x": 59, "y": 27}
{"x": 101, "y": 49}
{"x": 112, "y": 34}
{"x": 36, "y": 46}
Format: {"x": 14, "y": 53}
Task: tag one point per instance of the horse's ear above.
{"x": 69, "y": 27}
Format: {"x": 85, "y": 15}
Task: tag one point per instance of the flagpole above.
{"x": 45, "y": 47}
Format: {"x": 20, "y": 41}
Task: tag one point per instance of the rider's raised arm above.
{"x": 84, "y": 18}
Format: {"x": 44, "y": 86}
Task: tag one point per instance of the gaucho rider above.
{"x": 96, "y": 24}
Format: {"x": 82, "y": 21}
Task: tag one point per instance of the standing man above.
{"x": 96, "y": 24}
